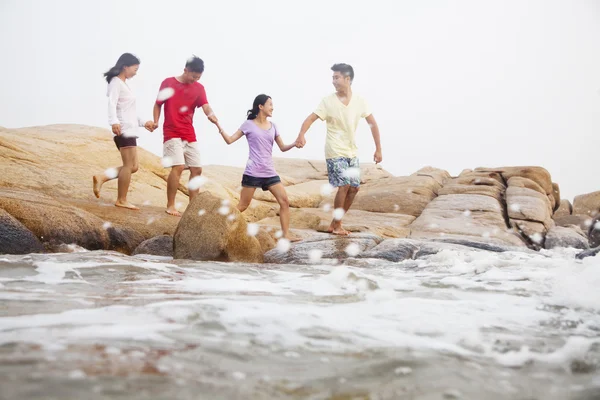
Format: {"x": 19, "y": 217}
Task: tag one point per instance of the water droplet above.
{"x": 338, "y": 214}
{"x": 146, "y": 203}
{"x": 283, "y": 245}
{"x": 485, "y": 235}
{"x": 106, "y": 225}
{"x": 315, "y": 255}
{"x": 150, "y": 220}
{"x": 201, "y": 212}
{"x": 239, "y": 375}
{"x": 352, "y": 250}
{"x": 467, "y": 213}
{"x": 537, "y": 238}
{"x": 278, "y": 234}
{"x": 165, "y": 94}
{"x": 111, "y": 173}
{"x": 326, "y": 207}
{"x": 231, "y": 218}
{"x": 396, "y": 207}
{"x": 223, "y": 210}
{"x": 225, "y": 202}
{"x": 515, "y": 207}
{"x": 352, "y": 173}
{"x": 196, "y": 183}
{"x": 167, "y": 162}
{"x": 183, "y": 109}
{"x": 326, "y": 189}
{"x": 403, "y": 370}
{"x": 253, "y": 229}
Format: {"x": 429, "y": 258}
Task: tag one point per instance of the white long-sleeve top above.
{"x": 121, "y": 108}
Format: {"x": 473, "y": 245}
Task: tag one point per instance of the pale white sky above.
{"x": 453, "y": 84}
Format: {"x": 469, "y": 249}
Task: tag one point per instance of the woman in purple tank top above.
{"x": 260, "y": 171}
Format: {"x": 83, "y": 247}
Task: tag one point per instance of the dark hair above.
{"x": 126, "y": 60}
{"x": 195, "y": 64}
{"x": 344, "y": 69}
{"x": 260, "y": 100}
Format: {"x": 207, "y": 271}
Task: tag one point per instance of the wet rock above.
{"x": 594, "y": 232}
{"x": 157, "y": 246}
{"x": 15, "y": 238}
{"x": 560, "y": 236}
{"x": 588, "y": 253}
{"x": 330, "y": 247}
{"x": 220, "y": 233}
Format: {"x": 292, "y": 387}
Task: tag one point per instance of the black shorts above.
{"x": 263, "y": 183}
{"x": 122, "y": 141}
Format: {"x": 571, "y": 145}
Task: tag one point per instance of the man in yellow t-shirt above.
{"x": 342, "y": 111}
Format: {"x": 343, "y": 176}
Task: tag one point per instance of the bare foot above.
{"x": 97, "y": 186}
{"x": 340, "y": 232}
{"x": 293, "y": 238}
{"x": 126, "y": 204}
{"x": 173, "y": 212}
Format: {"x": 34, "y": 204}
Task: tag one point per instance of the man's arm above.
{"x": 156, "y": 114}
{"x": 301, "y": 141}
{"x": 376, "y": 138}
{"x": 209, "y": 113}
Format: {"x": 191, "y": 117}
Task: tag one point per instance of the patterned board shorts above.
{"x": 343, "y": 171}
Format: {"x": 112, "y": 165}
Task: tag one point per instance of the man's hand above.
{"x": 377, "y": 157}
{"x": 213, "y": 118}
{"x": 116, "y": 129}
{"x": 149, "y": 125}
{"x": 300, "y": 141}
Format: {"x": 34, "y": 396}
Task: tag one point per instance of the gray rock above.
{"x": 594, "y": 232}
{"x": 588, "y": 253}
{"x": 329, "y": 246}
{"x": 15, "y": 238}
{"x": 156, "y": 246}
{"x": 572, "y": 236}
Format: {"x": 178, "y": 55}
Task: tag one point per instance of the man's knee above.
{"x": 134, "y": 169}
{"x": 195, "y": 171}
{"x": 177, "y": 169}
{"x": 343, "y": 189}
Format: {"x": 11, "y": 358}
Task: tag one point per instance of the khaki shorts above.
{"x": 182, "y": 153}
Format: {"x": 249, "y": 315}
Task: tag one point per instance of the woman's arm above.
{"x": 230, "y": 139}
{"x": 113, "y": 99}
{"x": 284, "y": 147}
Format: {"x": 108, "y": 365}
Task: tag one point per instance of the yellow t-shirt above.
{"x": 342, "y": 122}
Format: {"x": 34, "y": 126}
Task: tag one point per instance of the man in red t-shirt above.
{"x": 181, "y": 95}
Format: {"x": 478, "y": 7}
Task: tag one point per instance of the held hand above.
{"x": 377, "y": 157}
{"x": 149, "y": 125}
{"x": 116, "y": 129}
{"x": 300, "y": 142}
{"x": 213, "y": 118}
{"x": 154, "y": 125}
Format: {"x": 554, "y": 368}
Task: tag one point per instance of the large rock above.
{"x": 466, "y": 216}
{"x": 587, "y": 204}
{"x": 15, "y": 238}
{"x": 528, "y": 204}
{"x": 157, "y": 246}
{"x": 556, "y": 196}
{"x": 220, "y": 233}
{"x": 564, "y": 209}
{"x": 330, "y": 249}
{"x": 594, "y": 232}
{"x": 381, "y": 224}
{"x": 539, "y": 175}
{"x": 407, "y": 195}
{"x": 583, "y": 221}
{"x": 559, "y": 236}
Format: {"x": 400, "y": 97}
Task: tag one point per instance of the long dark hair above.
{"x": 126, "y": 60}
{"x": 260, "y": 100}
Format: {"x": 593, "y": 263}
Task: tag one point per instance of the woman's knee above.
{"x": 284, "y": 202}
{"x": 134, "y": 168}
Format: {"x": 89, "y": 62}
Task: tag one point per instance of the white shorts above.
{"x": 182, "y": 153}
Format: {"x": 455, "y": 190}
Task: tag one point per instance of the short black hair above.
{"x": 195, "y": 64}
{"x": 344, "y": 69}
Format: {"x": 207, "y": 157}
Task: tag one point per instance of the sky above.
{"x": 452, "y": 84}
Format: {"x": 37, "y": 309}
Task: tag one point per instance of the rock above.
{"x": 332, "y": 249}
{"x": 528, "y": 204}
{"x": 438, "y": 175}
{"x": 123, "y": 239}
{"x": 266, "y": 240}
{"x": 15, "y": 238}
{"x": 583, "y": 221}
{"x": 464, "y": 216}
{"x": 407, "y": 195}
{"x": 213, "y": 236}
{"x": 559, "y": 236}
{"x": 55, "y": 222}
{"x": 538, "y": 175}
{"x": 588, "y": 253}
{"x": 381, "y": 224}
{"x": 157, "y": 246}
{"x": 587, "y": 204}
{"x": 533, "y": 232}
{"x": 303, "y": 195}
{"x": 564, "y": 208}
{"x": 594, "y": 232}
{"x": 556, "y": 195}
{"x": 459, "y": 188}
{"x": 521, "y": 182}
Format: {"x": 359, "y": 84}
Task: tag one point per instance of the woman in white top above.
{"x": 122, "y": 116}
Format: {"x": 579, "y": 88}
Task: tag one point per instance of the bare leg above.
{"x": 130, "y": 166}
{"x": 280, "y": 194}
{"x": 339, "y": 202}
{"x": 101, "y": 179}
{"x": 194, "y": 171}
{"x": 172, "y": 186}
{"x": 352, "y": 192}
{"x": 245, "y": 198}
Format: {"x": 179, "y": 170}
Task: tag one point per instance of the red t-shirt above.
{"x": 180, "y": 107}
